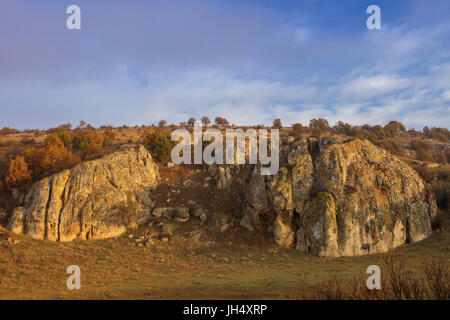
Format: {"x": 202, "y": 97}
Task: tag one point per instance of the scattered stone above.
{"x": 163, "y": 211}
{"x": 170, "y": 165}
{"x": 197, "y": 212}
{"x": 191, "y": 203}
{"x": 166, "y": 230}
{"x": 3, "y": 214}
{"x": 203, "y": 217}
{"x": 187, "y": 183}
{"x": 195, "y": 235}
{"x": 181, "y": 214}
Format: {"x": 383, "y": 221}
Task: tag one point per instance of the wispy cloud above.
{"x": 250, "y": 62}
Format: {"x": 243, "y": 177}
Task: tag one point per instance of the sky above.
{"x": 136, "y": 62}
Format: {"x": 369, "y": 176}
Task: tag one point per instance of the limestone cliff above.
{"x": 86, "y": 202}
{"x": 330, "y": 197}
{"x": 340, "y": 198}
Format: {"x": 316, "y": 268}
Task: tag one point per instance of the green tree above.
{"x": 159, "y": 144}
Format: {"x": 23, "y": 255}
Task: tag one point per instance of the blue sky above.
{"x": 135, "y": 62}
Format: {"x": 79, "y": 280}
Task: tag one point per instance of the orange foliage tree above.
{"x": 18, "y": 173}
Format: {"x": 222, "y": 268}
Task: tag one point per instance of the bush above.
{"x": 18, "y": 173}
{"x": 297, "y": 129}
{"x": 108, "y": 136}
{"x": 159, "y": 144}
{"x": 321, "y": 124}
{"x": 88, "y": 142}
{"x": 393, "y": 127}
{"x": 316, "y": 133}
{"x": 277, "y": 124}
{"x": 221, "y": 122}
{"x": 205, "y": 121}
{"x": 7, "y": 130}
{"x": 50, "y": 158}
{"x": 441, "y": 190}
{"x": 63, "y": 134}
{"x": 191, "y": 121}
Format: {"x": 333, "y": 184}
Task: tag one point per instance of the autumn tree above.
{"x": 108, "y": 136}
{"x": 277, "y": 124}
{"x": 393, "y": 127}
{"x": 162, "y": 123}
{"x": 7, "y": 130}
{"x": 191, "y": 121}
{"x": 221, "y": 122}
{"x": 18, "y": 173}
{"x": 316, "y": 133}
{"x": 63, "y": 134}
{"x": 297, "y": 129}
{"x": 87, "y": 142}
{"x": 321, "y": 124}
{"x": 205, "y": 121}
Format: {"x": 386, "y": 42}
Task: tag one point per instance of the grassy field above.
{"x": 221, "y": 267}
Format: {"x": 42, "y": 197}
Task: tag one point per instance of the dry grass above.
{"x": 234, "y": 265}
{"x": 431, "y": 282}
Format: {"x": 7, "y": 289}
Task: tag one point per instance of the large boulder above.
{"x": 342, "y": 198}
{"x": 93, "y": 200}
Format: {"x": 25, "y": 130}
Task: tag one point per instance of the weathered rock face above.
{"x": 90, "y": 201}
{"x": 341, "y": 199}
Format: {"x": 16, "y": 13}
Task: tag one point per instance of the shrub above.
{"x": 321, "y": 124}
{"x": 63, "y": 134}
{"x": 7, "y": 130}
{"x": 316, "y": 133}
{"x": 18, "y": 173}
{"x": 191, "y": 121}
{"x": 159, "y": 144}
{"x": 87, "y": 142}
{"x": 441, "y": 190}
{"x": 277, "y": 124}
{"x": 205, "y": 121}
{"x": 297, "y": 129}
{"x": 221, "y": 122}
{"x": 108, "y": 136}
{"x": 50, "y": 158}
{"x": 393, "y": 127}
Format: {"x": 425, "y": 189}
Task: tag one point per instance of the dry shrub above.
{"x": 397, "y": 283}
{"x": 437, "y": 278}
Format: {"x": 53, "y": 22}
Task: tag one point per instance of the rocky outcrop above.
{"x": 341, "y": 199}
{"x": 93, "y": 200}
{"x": 330, "y": 197}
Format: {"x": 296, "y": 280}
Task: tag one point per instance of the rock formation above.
{"x": 330, "y": 197}
{"x": 341, "y": 199}
{"x": 93, "y": 200}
